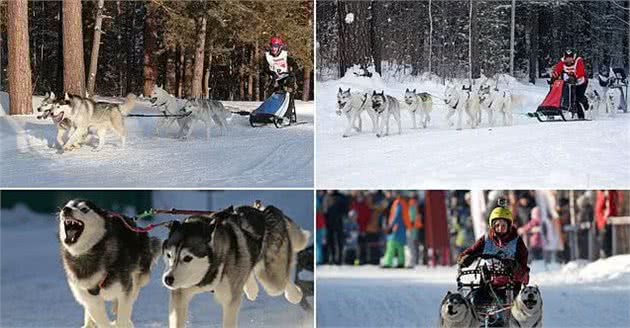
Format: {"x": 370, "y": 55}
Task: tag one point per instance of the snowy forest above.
{"x": 466, "y": 38}
{"x": 111, "y": 48}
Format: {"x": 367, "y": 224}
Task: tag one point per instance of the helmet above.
{"x": 569, "y": 53}
{"x": 500, "y": 213}
{"x": 276, "y": 45}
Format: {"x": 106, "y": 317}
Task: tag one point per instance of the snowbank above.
{"x": 614, "y": 270}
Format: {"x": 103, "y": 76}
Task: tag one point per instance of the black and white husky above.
{"x": 226, "y": 253}
{"x": 85, "y": 114}
{"x": 527, "y": 308}
{"x": 421, "y": 103}
{"x": 352, "y": 104}
{"x": 457, "y": 311}
{"x": 385, "y": 106}
{"x": 104, "y": 261}
{"x": 63, "y": 124}
{"x": 206, "y": 111}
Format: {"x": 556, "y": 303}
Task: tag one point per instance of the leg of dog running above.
{"x": 60, "y": 133}
{"x": 125, "y": 309}
{"x": 413, "y": 119}
{"x": 118, "y": 126}
{"x": 178, "y": 307}
{"x": 374, "y": 119}
{"x": 95, "y": 306}
{"x": 251, "y": 287}
{"x": 359, "y": 126}
{"x": 231, "y": 306}
{"x": 87, "y": 320}
{"x": 449, "y": 116}
{"x": 397, "y": 116}
{"x": 74, "y": 138}
{"x": 349, "y": 124}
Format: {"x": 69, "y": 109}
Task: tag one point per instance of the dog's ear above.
{"x": 66, "y": 97}
{"x": 414, "y": 90}
{"x": 448, "y": 293}
{"x": 172, "y": 226}
{"x": 374, "y": 93}
{"x": 52, "y": 95}
{"x": 407, "y": 90}
{"x": 348, "y": 91}
{"x": 340, "y": 91}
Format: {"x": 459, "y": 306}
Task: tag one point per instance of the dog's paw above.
{"x": 293, "y": 293}
{"x": 344, "y": 136}
{"x": 122, "y": 324}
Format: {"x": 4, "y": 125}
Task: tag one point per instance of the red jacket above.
{"x": 521, "y": 274}
{"x": 606, "y": 205}
{"x": 320, "y": 221}
{"x": 363, "y": 213}
{"x": 577, "y": 69}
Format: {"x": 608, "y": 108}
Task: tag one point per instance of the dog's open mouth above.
{"x": 530, "y": 303}
{"x": 451, "y": 311}
{"x": 57, "y": 118}
{"x": 73, "y": 228}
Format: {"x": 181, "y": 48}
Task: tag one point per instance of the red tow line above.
{"x": 151, "y": 226}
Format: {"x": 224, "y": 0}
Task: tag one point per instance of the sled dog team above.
{"x": 526, "y": 310}
{"x": 227, "y": 252}
{"x": 75, "y": 117}
{"x": 459, "y": 101}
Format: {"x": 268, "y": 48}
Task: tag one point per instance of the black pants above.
{"x": 604, "y": 237}
{"x": 581, "y": 98}
{"x": 334, "y": 244}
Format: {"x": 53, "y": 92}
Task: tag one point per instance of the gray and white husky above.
{"x": 63, "y": 124}
{"x": 421, "y": 103}
{"x": 206, "y": 111}
{"x": 496, "y": 101}
{"x": 85, "y": 113}
{"x": 457, "y": 311}
{"x": 460, "y": 102}
{"x": 385, "y": 106}
{"x": 226, "y": 253}
{"x": 167, "y": 104}
{"x": 352, "y": 104}
{"x": 527, "y": 308}
{"x": 104, "y": 261}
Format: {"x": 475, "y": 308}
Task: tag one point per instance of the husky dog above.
{"x": 168, "y": 105}
{"x": 226, "y": 253}
{"x": 352, "y": 104}
{"x": 527, "y": 308}
{"x": 104, "y": 261}
{"x": 63, "y": 124}
{"x": 385, "y": 106}
{"x": 204, "y": 110}
{"x": 462, "y": 101}
{"x": 85, "y": 113}
{"x": 457, "y": 311}
{"x": 419, "y": 102}
{"x": 495, "y": 101}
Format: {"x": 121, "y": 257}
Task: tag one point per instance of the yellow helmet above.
{"x": 500, "y": 213}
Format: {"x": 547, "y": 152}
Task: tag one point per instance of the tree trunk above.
{"x": 475, "y": 66}
{"x": 306, "y": 93}
{"x": 74, "y": 71}
{"x": 96, "y": 43}
{"x": 20, "y": 98}
{"x": 375, "y": 43}
{"x": 131, "y": 55}
{"x": 354, "y": 35}
{"x": 180, "y": 71}
{"x": 150, "y": 47}
{"x": 206, "y": 77}
{"x": 533, "y": 44}
{"x": 197, "y": 78}
{"x": 256, "y": 54}
{"x": 250, "y": 80}
{"x": 188, "y": 76}
{"x": 512, "y": 28}
{"x": 171, "y": 72}
{"x": 430, "y": 38}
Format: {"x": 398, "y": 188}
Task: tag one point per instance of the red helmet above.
{"x": 276, "y": 45}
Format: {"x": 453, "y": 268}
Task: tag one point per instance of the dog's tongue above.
{"x": 71, "y": 235}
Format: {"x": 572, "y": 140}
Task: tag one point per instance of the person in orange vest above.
{"x": 396, "y": 230}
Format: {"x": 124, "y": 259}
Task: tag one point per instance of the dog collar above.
{"x": 455, "y": 106}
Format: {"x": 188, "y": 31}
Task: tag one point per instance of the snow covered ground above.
{"x": 34, "y": 291}
{"x": 575, "y": 295}
{"x": 545, "y": 155}
{"x": 243, "y": 157}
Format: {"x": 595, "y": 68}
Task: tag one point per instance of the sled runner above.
{"x": 487, "y": 270}
{"x": 560, "y": 104}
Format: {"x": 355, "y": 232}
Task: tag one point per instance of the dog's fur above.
{"x": 206, "y": 111}
{"x": 527, "y": 308}
{"x": 104, "y": 261}
{"x": 460, "y": 102}
{"x": 167, "y": 104}
{"x": 457, "y": 312}
{"x": 421, "y": 103}
{"x": 352, "y": 104}
{"x": 226, "y": 253}
{"x": 63, "y": 124}
{"x": 385, "y": 106}
{"x": 496, "y": 102}
{"x": 85, "y": 113}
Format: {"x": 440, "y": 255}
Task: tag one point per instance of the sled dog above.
{"x": 226, "y": 253}
{"x": 495, "y": 101}
{"x": 104, "y": 261}
{"x": 206, "y": 111}
{"x": 352, "y": 104}
{"x": 85, "y": 113}
{"x": 385, "y": 106}
{"x": 421, "y": 103}
{"x": 63, "y": 124}
{"x": 460, "y": 102}
{"x": 527, "y": 308}
{"x": 167, "y": 104}
{"x": 457, "y": 312}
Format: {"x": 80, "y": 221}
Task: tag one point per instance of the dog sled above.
{"x": 490, "y": 274}
{"x": 560, "y": 104}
